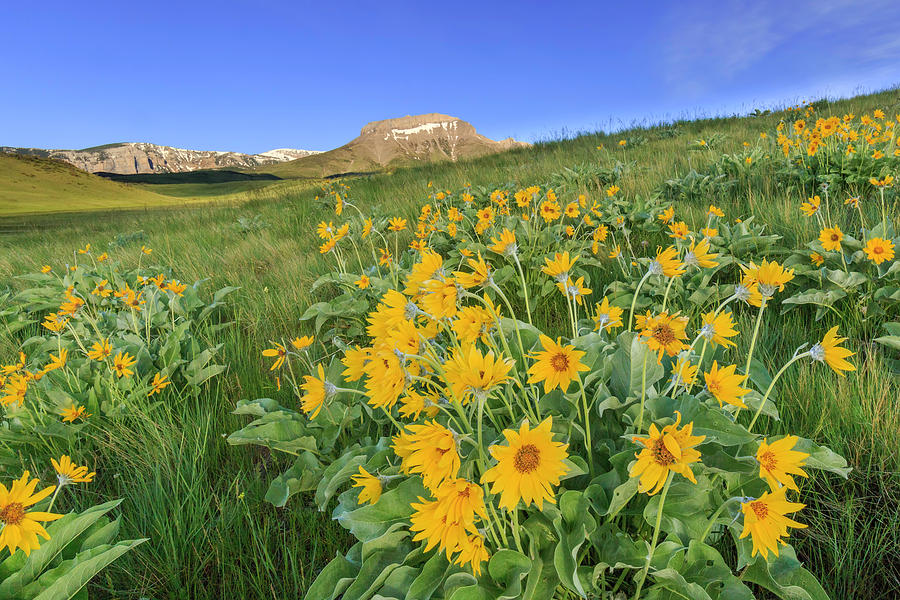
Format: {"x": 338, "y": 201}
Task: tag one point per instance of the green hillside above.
{"x": 339, "y": 160}
{"x": 31, "y": 185}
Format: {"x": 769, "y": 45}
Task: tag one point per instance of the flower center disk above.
{"x": 560, "y": 362}
{"x": 527, "y": 458}
{"x": 663, "y": 334}
{"x": 661, "y": 454}
{"x": 12, "y": 514}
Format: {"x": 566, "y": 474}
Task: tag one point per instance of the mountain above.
{"x": 131, "y": 158}
{"x": 398, "y": 142}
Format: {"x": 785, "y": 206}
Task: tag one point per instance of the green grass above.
{"x": 206, "y": 190}
{"x": 31, "y": 186}
{"x": 201, "y": 502}
{"x": 35, "y": 185}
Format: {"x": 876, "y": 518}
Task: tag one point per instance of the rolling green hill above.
{"x": 30, "y": 185}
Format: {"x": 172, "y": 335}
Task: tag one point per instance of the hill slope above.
{"x": 398, "y": 142}
{"x": 39, "y": 185}
{"x": 131, "y": 158}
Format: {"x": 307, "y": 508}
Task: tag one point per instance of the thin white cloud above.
{"x": 709, "y": 46}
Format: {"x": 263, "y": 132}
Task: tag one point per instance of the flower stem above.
{"x": 659, "y": 513}
{"x": 637, "y": 291}
{"x": 762, "y": 307}
{"x": 712, "y": 520}
{"x": 587, "y": 427}
{"x": 666, "y": 295}
{"x": 640, "y": 426}
{"x": 53, "y": 499}
{"x": 771, "y": 386}
{"x": 524, "y": 288}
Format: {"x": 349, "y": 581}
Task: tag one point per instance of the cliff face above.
{"x": 400, "y": 142}
{"x": 426, "y": 138}
{"x": 130, "y": 158}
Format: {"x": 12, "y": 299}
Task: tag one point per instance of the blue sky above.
{"x": 251, "y": 75}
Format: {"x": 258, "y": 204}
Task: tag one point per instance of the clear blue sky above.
{"x": 251, "y": 75}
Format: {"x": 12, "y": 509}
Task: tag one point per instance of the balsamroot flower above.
{"x": 370, "y": 486}
{"x": 506, "y": 245}
{"x": 559, "y": 267}
{"x": 667, "y": 263}
{"x": 122, "y": 364}
{"x": 725, "y": 385}
{"x": 446, "y": 521}
{"x": 480, "y": 275}
{"x": 699, "y": 255}
{"x": 669, "y": 450}
{"x": 607, "y": 317}
{"x": 67, "y": 472}
{"x": 473, "y": 553}
{"x": 430, "y": 450}
{"x": 279, "y": 353}
{"x": 766, "y": 522}
{"x": 469, "y": 373}
{"x": 20, "y": 527}
{"x": 302, "y": 343}
{"x": 830, "y": 351}
{"x": 830, "y": 238}
{"x": 664, "y": 334}
{"x": 556, "y": 365}
{"x": 778, "y": 461}
{"x": 70, "y": 413}
{"x": 100, "y": 350}
{"x": 769, "y": 276}
{"x": 879, "y": 250}
{"x": 316, "y": 391}
{"x": 528, "y": 466}
{"x": 717, "y": 328}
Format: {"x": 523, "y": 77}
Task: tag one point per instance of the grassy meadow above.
{"x": 200, "y": 501}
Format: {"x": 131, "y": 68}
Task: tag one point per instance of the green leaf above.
{"x": 891, "y": 341}
{"x": 709, "y": 422}
{"x": 282, "y": 430}
{"x": 373, "y": 520}
{"x": 823, "y": 458}
{"x": 685, "y": 510}
{"x": 621, "y": 495}
{"x": 61, "y": 532}
{"x": 817, "y": 297}
{"x": 508, "y": 568}
{"x": 333, "y": 579}
{"x": 845, "y": 281}
{"x": 104, "y": 534}
{"x": 784, "y": 577}
{"x": 628, "y": 367}
{"x": 574, "y": 524}
{"x": 617, "y": 550}
{"x": 380, "y": 557}
{"x": 302, "y": 476}
{"x": 429, "y": 579}
{"x": 72, "y": 575}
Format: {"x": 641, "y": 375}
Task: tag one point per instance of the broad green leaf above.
{"x": 573, "y": 525}
{"x": 62, "y": 532}
{"x": 429, "y": 578}
{"x": 371, "y": 521}
{"x": 784, "y": 577}
{"x": 72, "y": 575}
{"x": 333, "y": 579}
{"x": 302, "y": 476}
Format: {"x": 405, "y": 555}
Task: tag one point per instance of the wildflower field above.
{"x": 660, "y": 363}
